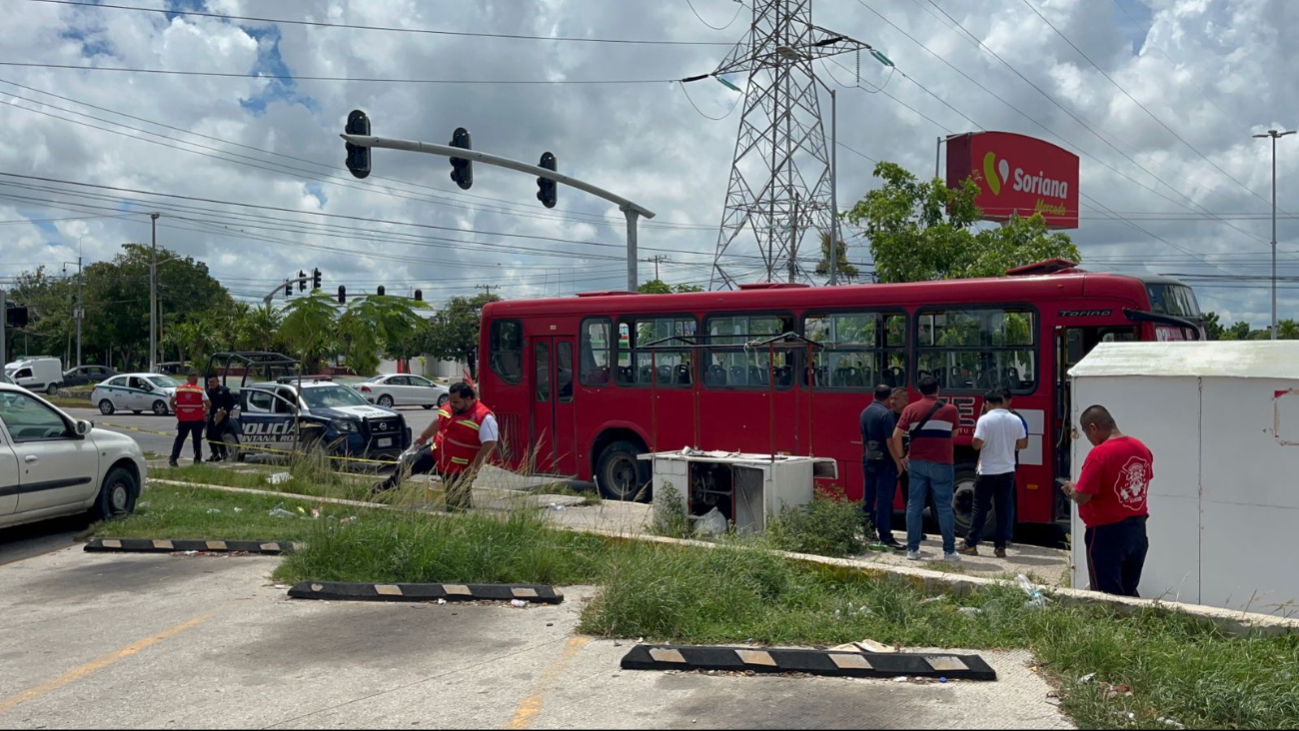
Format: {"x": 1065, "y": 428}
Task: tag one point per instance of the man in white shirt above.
{"x": 997, "y": 436}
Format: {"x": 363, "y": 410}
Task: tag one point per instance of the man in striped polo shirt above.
{"x": 930, "y": 423}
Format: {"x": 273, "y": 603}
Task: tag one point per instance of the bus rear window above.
{"x": 506, "y": 350}
{"x": 1173, "y": 299}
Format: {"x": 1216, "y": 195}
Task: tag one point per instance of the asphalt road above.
{"x": 169, "y": 641}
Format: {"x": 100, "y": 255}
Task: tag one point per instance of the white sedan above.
{"x": 52, "y": 465}
{"x": 135, "y": 392}
{"x": 400, "y": 389}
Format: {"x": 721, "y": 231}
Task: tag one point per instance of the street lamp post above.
{"x": 1275, "y": 135}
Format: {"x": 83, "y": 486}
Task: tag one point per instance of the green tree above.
{"x": 309, "y": 329}
{"x": 375, "y": 326}
{"x": 1238, "y": 331}
{"x": 1287, "y": 330}
{"x": 259, "y": 329}
{"x": 50, "y": 300}
{"x": 845, "y": 270}
{"x": 658, "y": 286}
{"x": 453, "y": 332}
{"x": 921, "y": 231}
{"x": 1213, "y": 329}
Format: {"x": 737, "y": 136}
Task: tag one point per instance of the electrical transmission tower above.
{"x": 780, "y": 182}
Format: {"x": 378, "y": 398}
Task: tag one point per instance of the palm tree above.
{"x": 1287, "y": 330}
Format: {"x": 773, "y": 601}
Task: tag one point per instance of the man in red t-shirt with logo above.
{"x": 1111, "y": 495}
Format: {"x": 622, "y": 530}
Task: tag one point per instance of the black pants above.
{"x": 215, "y": 432}
{"x": 459, "y": 493}
{"x": 877, "y": 504}
{"x": 186, "y": 429}
{"x": 1116, "y": 554}
{"x": 990, "y": 490}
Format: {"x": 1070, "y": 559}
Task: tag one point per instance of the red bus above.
{"x": 582, "y": 385}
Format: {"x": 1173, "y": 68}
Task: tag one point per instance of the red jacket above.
{"x": 189, "y": 403}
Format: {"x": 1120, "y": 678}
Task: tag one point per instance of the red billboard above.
{"x": 1017, "y": 175}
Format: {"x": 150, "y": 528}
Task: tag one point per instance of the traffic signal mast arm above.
{"x": 504, "y": 162}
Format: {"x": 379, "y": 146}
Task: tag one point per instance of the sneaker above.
{"x": 172, "y": 463}
{"x": 1001, "y": 553}
{"x": 952, "y": 557}
{"x": 968, "y": 550}
{"x": 913, "y": 555}
{"x": 894, "y": 545}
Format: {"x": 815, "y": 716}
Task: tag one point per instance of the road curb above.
{"x": 336, "y": 591}
{"x": 162, "y": 545}
{"x": 813, "y": 662}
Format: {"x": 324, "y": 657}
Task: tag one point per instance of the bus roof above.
{"x": 1010, "y": 289}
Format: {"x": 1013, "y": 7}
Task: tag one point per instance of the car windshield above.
{"x": 164, "y": 381}
{"x": 332, "y": 397}
{"x": 1173, "y": 299}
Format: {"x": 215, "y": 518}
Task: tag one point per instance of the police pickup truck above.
{"x": 315, "y": 414}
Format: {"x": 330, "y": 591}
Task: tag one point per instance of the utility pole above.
{"x": 656, "y": 260}
{"x": 793, "y": 237}
{"x": 4, "y": 322}
{"x": 1275, "y": 135}
{"x": 488, "y": 288}
{"x": 153, "y": 295}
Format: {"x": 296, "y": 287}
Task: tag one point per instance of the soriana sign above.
{"x": 1017, "y": 175}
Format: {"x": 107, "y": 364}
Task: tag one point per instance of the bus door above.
{"x": 1072, "y": 344}
{"x": 552, "y": 435}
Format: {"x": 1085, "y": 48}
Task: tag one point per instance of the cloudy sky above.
{"x": 1179, "y": 186}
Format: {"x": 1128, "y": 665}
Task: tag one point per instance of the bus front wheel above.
{"x": 620, "y": 475}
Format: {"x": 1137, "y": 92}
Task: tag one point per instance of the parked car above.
{"x": 315, "y": 414}
{"x": 135, "y": 392}
{"x": 53, "y": 465}
{"x": 393, "y": 390}
{"x": 87, "y": 374}
{"x": 37, "y": 374}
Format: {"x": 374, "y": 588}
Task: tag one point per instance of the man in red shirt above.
{"x": 1111, "y": 495}
{"x": 930, "y": 423}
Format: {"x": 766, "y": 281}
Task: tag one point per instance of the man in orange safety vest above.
{"x": 190, "y": 402}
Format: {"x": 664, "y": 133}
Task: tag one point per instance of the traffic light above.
{"x": 419, "y": 295}
{"x": 16, "y": 315}
{"x": 302, "y": 281}
{"x": 381, "y": 290}
{"x": 462, "y": 171}
{"x": 315, "y": 279}
{"x": 358, "y": 157}
{"x": 342, "y": 295}
{"x": 546, "y": 188}
{"x": 288, "y": 289}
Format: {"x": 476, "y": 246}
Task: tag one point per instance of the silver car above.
{"x": 135, "y": 392}
{"x": 402, "y": 389}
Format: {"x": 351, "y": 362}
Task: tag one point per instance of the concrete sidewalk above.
{"x": 154, "y": 641}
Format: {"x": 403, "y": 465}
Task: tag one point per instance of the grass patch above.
{"x": 306, "y": 477}
{"x": 830, "y": 525}
{"x": 513, "y": 547}
{"x": 178, "y": 512}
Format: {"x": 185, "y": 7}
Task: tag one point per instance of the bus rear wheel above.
{"x": 963, "y": 503}
{"x": 620, "y": 475}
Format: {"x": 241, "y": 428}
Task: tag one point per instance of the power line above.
{"x": 389, "y": 29}
{"x": 717, "y": 27}
{"x": 364, "y": 80}
{"x": 1143, "y": 107}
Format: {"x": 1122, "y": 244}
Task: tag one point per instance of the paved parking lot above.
{"x": 156, "y": 641}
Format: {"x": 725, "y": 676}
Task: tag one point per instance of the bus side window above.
{"x": 739, "y": 366}
{"x": 595, "y": 348}
{"x": 661, "y": 365}
{"x": 862, "y": 350}
{"x": 977, "y": 349}
{"x": 506, "y": 345}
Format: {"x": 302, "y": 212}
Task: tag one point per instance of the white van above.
{"x": 37, "y": 374}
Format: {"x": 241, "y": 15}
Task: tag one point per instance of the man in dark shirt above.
{"x": 881, "y": 469}
{"x": 220, "y": 419}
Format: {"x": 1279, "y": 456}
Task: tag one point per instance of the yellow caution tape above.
{"x": 249, "y": 448}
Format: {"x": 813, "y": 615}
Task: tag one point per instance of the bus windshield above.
{"x": 1173, "y": 299}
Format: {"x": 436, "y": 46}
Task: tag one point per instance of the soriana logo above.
{"x": 1017, "y": 175}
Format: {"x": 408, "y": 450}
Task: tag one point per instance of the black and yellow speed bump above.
{"x": 812, "y": 662}
{"x": 157, "y": 545}
{"x": 335, "y": 591}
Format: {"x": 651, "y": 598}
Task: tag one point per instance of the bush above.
{"x": 830, "y": 525}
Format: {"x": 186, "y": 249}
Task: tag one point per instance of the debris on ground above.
{"x": 1170, "y": 723}
{"x": 279, "y": 478}
{"x": 1084, "y": 680}
{"x": 518, "y": 604}
{"x": 214, "y": 511}
{"x": 970, "y": 611}
{"x": 281, "y": 513}
{"x": 442, "y": 601}
{"x": 864, "y": 646}
{"x": 712, "y": 524}
{"x": 1036, "y": 600}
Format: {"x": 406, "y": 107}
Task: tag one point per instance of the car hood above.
{"x": 353, "y": 412}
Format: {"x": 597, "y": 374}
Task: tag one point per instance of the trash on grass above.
{"x": 345, "y": 521}
{"x": 281, "y": 513}
{"x": 238, "y": 510}
{"x": 713, "y": 523}
{"x": 1084, "y": 680}
{"x": 902, "y": 679}
{"x": 1036, "y": 600}
{"x": 279, "y": 478}
{"x": 315, "y": 514}
{"x": 442, "y": 601}
{"x": 970, "y": 611}
{"x": 214, "y": 511}
{"x": 191, "y": 554}
{"x": 1170, "y": 723}
{"x": 518, "y": 603}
